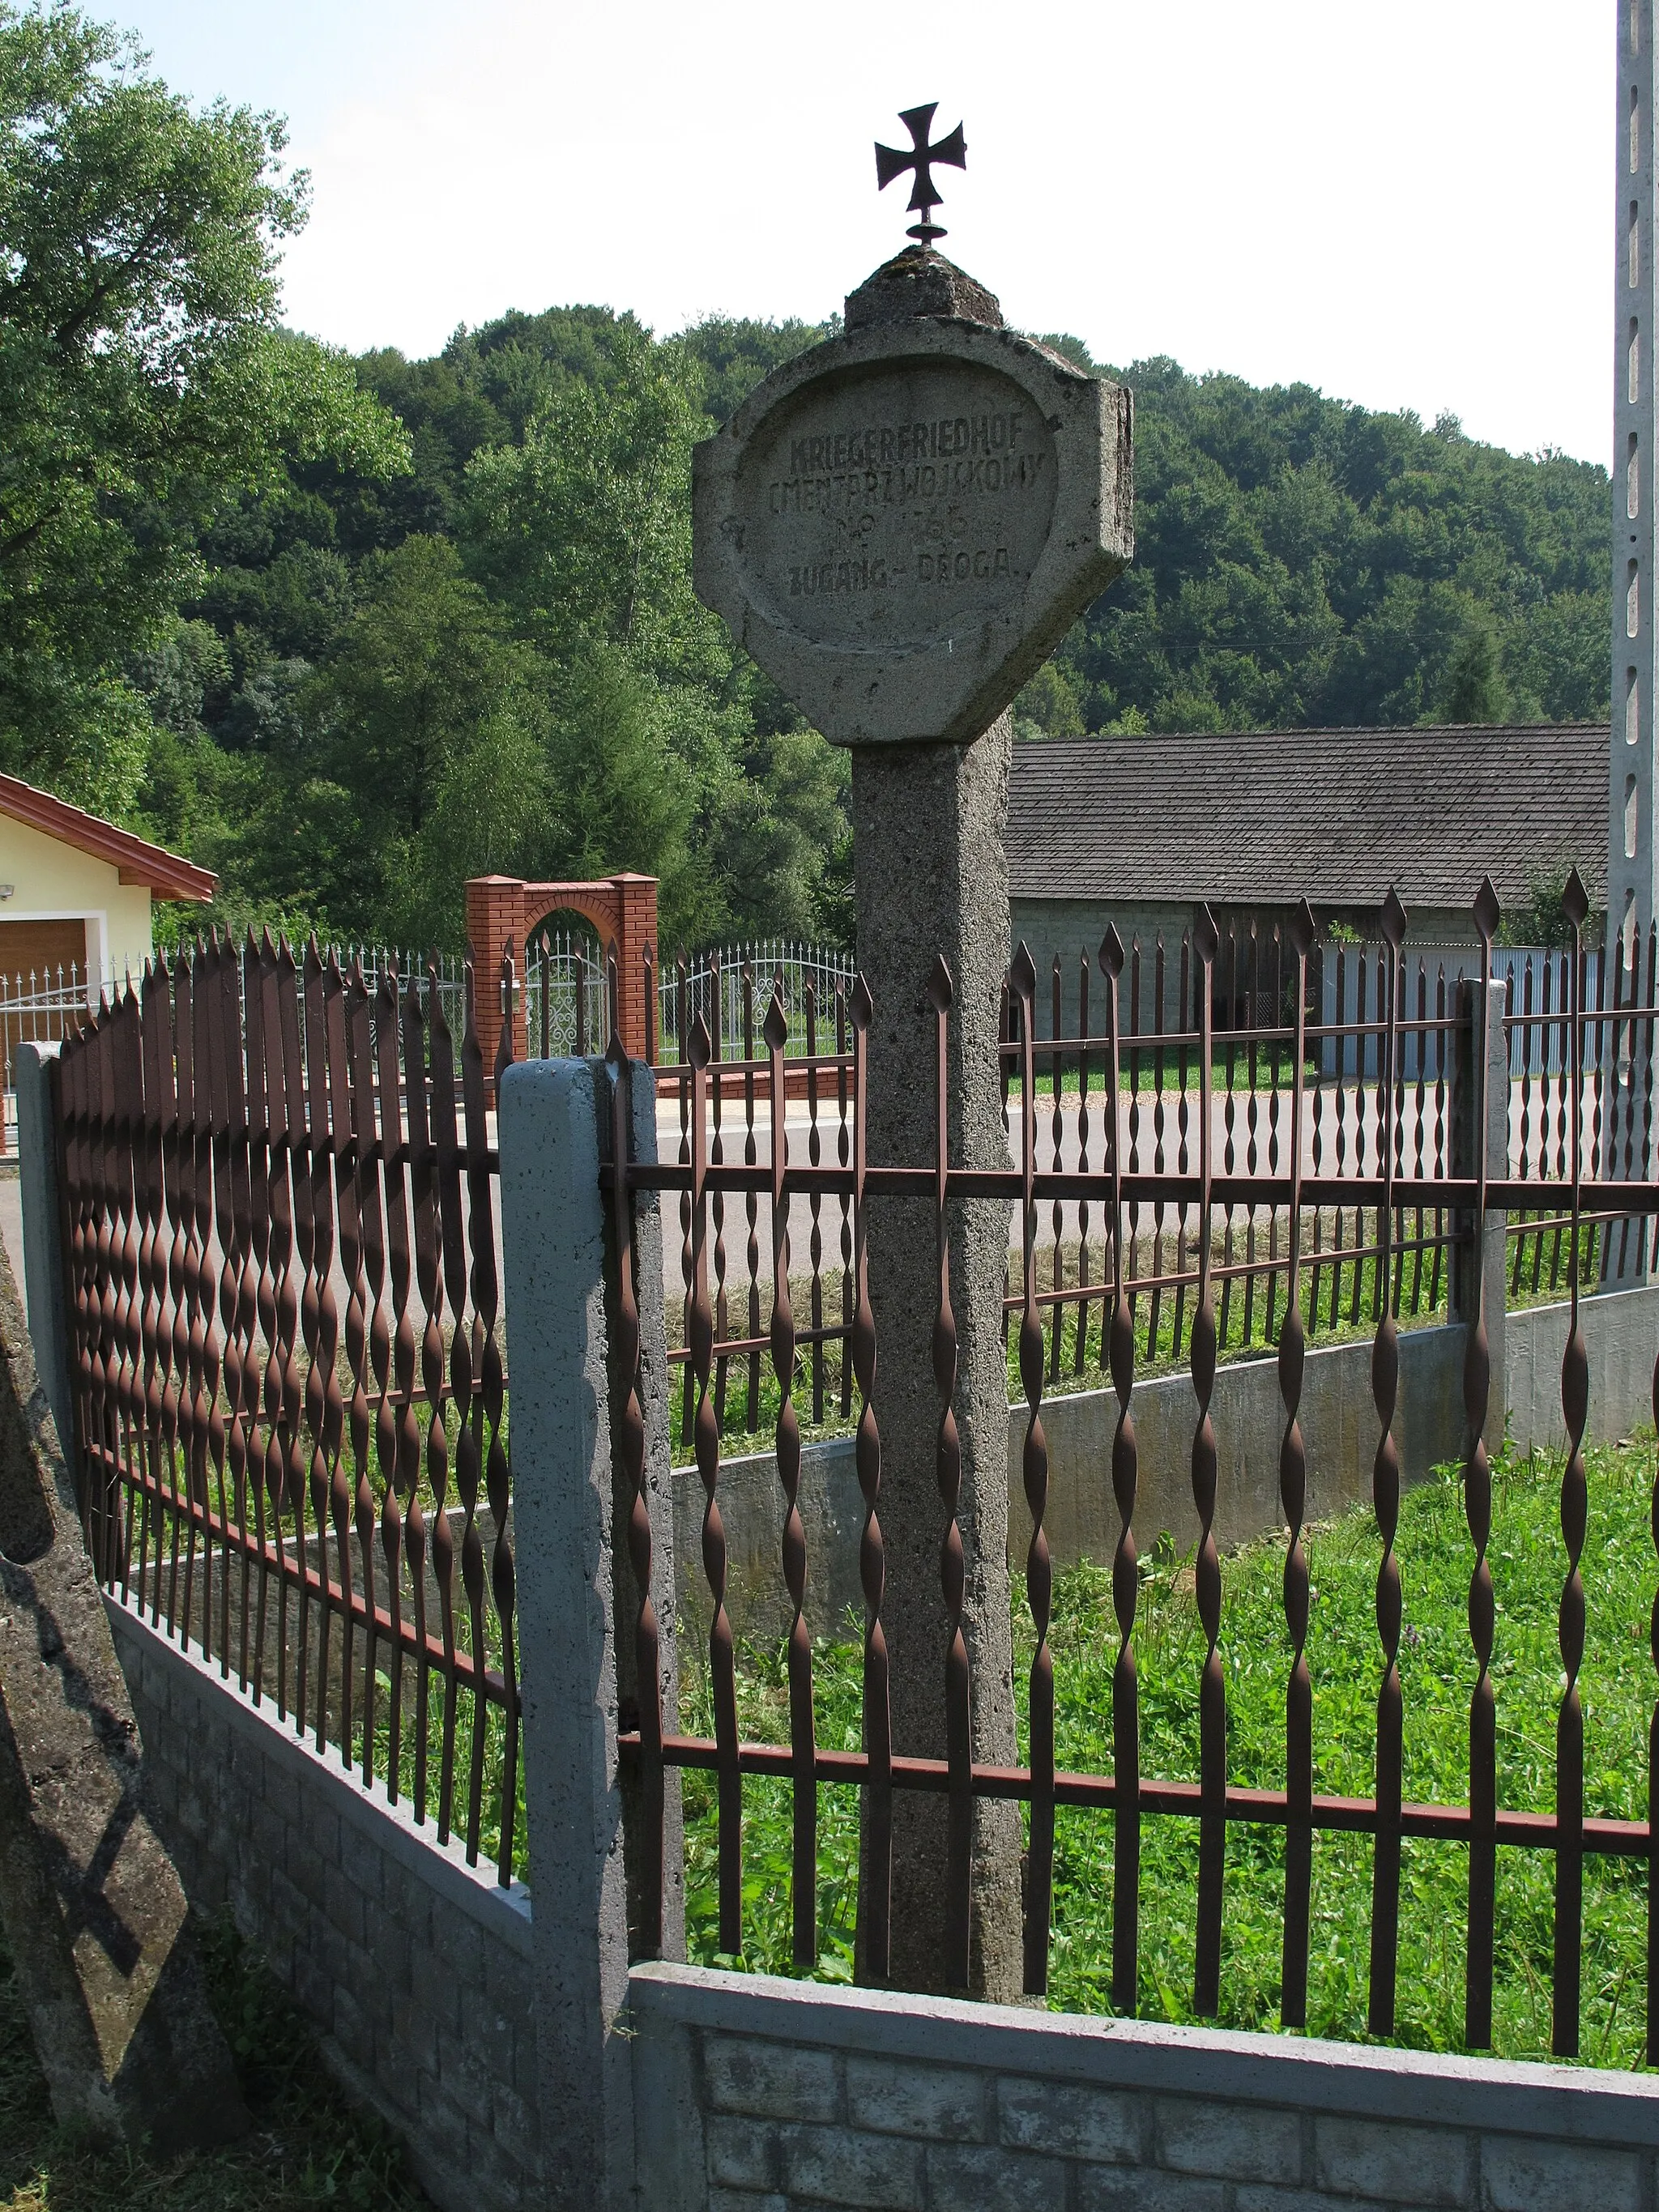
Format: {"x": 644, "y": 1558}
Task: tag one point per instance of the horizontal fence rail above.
{"x": 1174, "y": 1208}
{"x": 280, "y": 1202}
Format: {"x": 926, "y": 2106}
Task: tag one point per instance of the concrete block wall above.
{"x": 759, "y": 2095}
{"x": 415, "y": 1966}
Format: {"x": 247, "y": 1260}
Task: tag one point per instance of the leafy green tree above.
{"x": 1542, "y": 919}
{"x": 1299, "y": 561}
{"x": 620, "y": 798}
{"x": 1050, "y": 706}
{"x": 425, "y": 688}
{"x": 584, "y": 529}
{"x": 1475, "y": 691}
{"x": 736, "y": 355}
{"x": 143, "y": 376}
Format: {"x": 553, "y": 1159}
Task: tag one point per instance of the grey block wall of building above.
{"x": 760, "y": 2095}
{"x": 415, "y": 1966}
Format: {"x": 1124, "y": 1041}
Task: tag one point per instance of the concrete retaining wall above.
{"x": 758, "y": 2096}
{"x": 1621, "y": 1331}
{"x": 1621, "y": 1335}
{"x": 415, "y": 1966}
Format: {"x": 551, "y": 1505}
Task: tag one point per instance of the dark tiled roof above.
{"x": 1335, "y": 817}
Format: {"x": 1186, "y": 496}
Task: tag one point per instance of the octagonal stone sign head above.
{"x": 902, "y": 524}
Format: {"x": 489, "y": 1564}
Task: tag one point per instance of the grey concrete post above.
{"x": 1633, "y": 758}
{"x": 932, "y": 877}
{"x": 1484, "y": 1271}
{"x": 43, "y": 1234}
{"x": 552, "y": 1117}
{"x": 980, "y": 461}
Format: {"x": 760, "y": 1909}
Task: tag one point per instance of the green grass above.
{"x": 306, "y": 2147}
{"x": 1618, "y": 1685}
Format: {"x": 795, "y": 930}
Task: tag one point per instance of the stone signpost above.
{"x": 900, "y": 526}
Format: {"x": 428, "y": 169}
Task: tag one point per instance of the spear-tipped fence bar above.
{"x": 1396, "y": 1132}
{"x": 271, "y": 1218}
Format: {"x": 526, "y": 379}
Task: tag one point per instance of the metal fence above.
{"x": 282, "y": 1221}
{"x": 1252, "y": 984}
{"x": 280, "y": 1198}
{"x": 723, "y": 986}
{"x": 1385, "y": 1162}
{"x": 40, "y": 1007}
{"x": 45, "y": 1007}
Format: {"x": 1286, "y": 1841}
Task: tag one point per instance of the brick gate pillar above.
{"x": 636, "y": 930}
{"x": 495, "y": 912}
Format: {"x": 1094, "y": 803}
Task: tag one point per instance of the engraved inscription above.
{"x": 897, "y": 508}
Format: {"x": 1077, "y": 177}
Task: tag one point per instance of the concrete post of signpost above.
{"x": 932, "y": 877}
{"x": 573, "y": 1604}
{"x": 900, "y": 526}
{"x": 1479, "y": 1273}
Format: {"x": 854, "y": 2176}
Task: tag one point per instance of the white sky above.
{"x": 1408, "y": 205}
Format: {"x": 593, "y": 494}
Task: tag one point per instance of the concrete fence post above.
{"x": 554, "y": 1118}
{"x": 1482, "y": 1273}
{"x": 44, "y": 1283}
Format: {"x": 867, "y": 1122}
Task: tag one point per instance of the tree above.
{"x": 1542, "y": 918}
{"x": 431, "y": 718}
{"x": 1475, "y": 691}
{"x": 584, "y": 529}
{"x": 1299, "y": 561}
{"x": 143, "y": 376}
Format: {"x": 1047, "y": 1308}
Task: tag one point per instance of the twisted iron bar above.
{"x": 1385, "y": 1498}
{"x": 1212, "y": 1683}
{"x": 1126, "y": 1576}
{"x": 630, "y": 1444}
{"x": 1477, "y": 1509}
{"x": 1574, "y": 1503}
{"x": 1039, "y": 1575}
{"x": 803, "y": 1880}
{"x": 958, "y": 1690}
{"x": 1294, "y": 1500}
{"x": 875, "y": 1900}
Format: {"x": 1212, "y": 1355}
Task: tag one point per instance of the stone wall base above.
{"x": 415, "y": 1966}
{"x": 760, "y": 2095}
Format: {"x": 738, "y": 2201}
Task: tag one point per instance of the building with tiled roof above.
{"x": 1135, "y": 829}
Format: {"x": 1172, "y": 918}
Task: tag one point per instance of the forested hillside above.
{"x": 348, "y": 632}
{"x": 496, "y": 660}
{"x": 1302, "y": 562}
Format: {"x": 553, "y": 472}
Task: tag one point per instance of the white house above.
{"x": 76, "y": 893}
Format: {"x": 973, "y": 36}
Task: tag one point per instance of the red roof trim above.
{"x": 167, "y": 876}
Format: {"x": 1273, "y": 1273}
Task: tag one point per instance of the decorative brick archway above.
{"x": 623, "y": 912}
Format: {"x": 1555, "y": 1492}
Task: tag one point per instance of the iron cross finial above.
{"x": 953, "y": 150}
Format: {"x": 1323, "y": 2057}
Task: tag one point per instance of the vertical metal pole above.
{"x": 1632, "y": 878}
